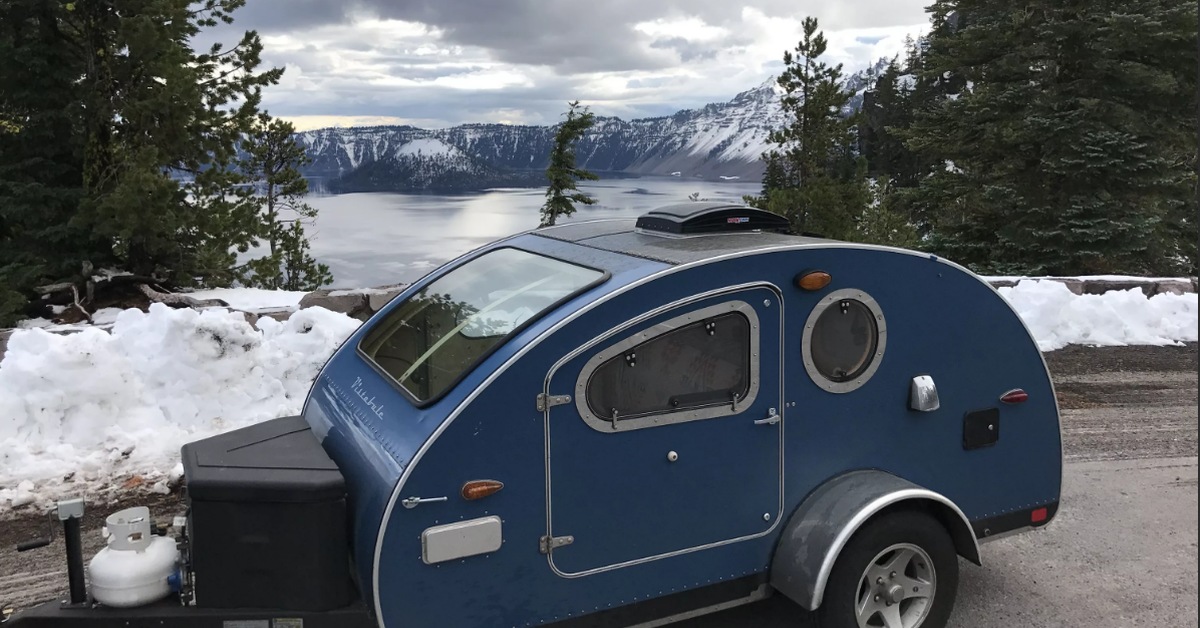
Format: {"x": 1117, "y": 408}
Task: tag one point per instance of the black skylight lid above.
{"x": 701, "y": 218}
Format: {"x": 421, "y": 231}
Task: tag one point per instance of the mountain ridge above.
{"x": 719, "y": 140}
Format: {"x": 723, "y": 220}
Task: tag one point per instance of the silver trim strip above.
{"x": 761, "y": 593}
{"x": 707, "y": 411}
{"x": 630, "y": 286}
{"x": 778, "y": 516}
{"x": 866, "y": 513}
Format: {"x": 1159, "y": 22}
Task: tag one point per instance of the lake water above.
{"x": 378, "y": 239}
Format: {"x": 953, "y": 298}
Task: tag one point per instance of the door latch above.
{"x": 772, "y": 418}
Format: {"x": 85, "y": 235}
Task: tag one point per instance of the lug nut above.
{"x": 893, "y": 575}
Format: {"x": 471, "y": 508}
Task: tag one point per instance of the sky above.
{"x": 439, "y": 63}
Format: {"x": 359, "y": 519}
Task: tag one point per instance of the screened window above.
{"x": 701, "y": 364}
{"x": 431, "y": 340}
{"x": 844, "y": 340}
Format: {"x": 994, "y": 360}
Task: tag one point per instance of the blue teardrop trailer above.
{"x": 629, "y": 423}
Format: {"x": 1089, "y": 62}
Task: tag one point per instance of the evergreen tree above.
{"x": 562, "y": 194}
{"x": 813, "y": 175}
{"x": 118, "y": 142}
{"x": 272, "y": 162}
{"x": 41, "y": 153}
{"x": 157, "y": 113}
{"x": 1068, "y": 149}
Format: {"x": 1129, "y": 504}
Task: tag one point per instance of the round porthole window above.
{"x": 844, "y": 339}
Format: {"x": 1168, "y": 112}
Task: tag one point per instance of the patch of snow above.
{"x": 725, "y": 178}
{"x": 346, "y": 293}
{"x": 1057, "y": 317}
{"x": 35, "y": 323}
{"x": 427, "y": 147}
{"x": 82, "y": 410}
{"x": 252, "y": 299}
{"x": 1087, "y": 278}
{"x": 106, "y": 316}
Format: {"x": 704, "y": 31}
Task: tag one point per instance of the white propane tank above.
{"x": 135, "y": 566}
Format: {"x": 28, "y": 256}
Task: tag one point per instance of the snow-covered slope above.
{"x": 718, "y": 140}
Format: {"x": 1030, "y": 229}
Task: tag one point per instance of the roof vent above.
{"x": 689, "y": 219}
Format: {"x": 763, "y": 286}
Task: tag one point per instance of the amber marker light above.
{"x": 813, "y": 280}
{"x": 478, "y": 489}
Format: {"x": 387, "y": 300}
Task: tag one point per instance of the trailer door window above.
{"x": 700, "y": 365}
{"x": 436, "y": 336}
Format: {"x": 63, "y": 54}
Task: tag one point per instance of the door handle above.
{"x": 413, "y": 502}
{"x": 772, "y": 418}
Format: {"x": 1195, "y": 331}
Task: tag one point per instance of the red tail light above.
{"x": 1038, "y": 515}
{"x": 1015, "y": 395}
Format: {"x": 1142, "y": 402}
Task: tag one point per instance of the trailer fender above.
{"x": 824, "y": 522}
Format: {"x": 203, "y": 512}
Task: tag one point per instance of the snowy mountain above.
{"x": 718, "y": 140}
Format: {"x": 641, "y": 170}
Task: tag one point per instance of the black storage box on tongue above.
{"x": 267, "y": 520}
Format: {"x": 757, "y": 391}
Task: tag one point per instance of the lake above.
{"x": 376, "y": 239}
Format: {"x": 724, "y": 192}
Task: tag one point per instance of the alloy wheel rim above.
{"x": 896, "y": 589}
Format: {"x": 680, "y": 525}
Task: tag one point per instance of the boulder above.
{"x": 1100, "y": 286}
{"x": 1174, "y": 286}
{"x": 381, "y": 296}
{"x": 1002, "y": 283}
{"x": 348, "y": 302}
{"x": 1074, "y": 285}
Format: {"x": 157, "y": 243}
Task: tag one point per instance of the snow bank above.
{"x": 96, "y": 411}
{"x": 1057, "y": 318}
{"x": 81, "y": 410}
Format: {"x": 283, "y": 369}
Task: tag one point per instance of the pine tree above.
{"x": 162, "y": 126}
{"x": 1068, "y": 149}
{"x": 272, "y": 162}
{"x": 41, "y": 154}
{"x": 813, "y": 175}
{"x": 562, "y": 194}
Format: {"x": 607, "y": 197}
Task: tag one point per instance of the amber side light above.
{"x": 478, "y": 489}
{"x": 813, "y": 280}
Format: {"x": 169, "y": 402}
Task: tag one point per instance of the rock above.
{"x": 347, "y": 302}
{"x": 1174, "y": 286}
{"x": 1003, "y": 283}
{"x": 377, "y": 298}
{"x": 280, "y": 315}
{"x": 1074, "y": 285}
{"x": 1100, "y": 286}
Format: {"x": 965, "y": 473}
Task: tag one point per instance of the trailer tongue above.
{"x": 264, "y": 545}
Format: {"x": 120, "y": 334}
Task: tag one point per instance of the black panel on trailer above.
{"x": 267, "y": 520}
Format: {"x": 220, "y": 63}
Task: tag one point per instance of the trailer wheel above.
{"x": 898, "y": 571}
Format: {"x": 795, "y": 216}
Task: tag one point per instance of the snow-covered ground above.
{"x": 95, "y": 410}
{"x": 98, "y": 411}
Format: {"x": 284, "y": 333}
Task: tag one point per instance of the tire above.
{"x": 901, "y": 543}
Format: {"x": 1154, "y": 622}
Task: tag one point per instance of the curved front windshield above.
{"x": 428, "y": 342}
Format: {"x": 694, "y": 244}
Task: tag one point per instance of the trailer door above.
{"x": 665, "y": 436}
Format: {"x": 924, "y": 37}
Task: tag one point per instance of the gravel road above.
{"x": 1122, "y": 552}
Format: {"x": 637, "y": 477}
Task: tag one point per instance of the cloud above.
{"x": 444, "y": 62}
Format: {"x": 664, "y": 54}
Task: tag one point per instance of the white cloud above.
{"x": 436, "y": 67}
